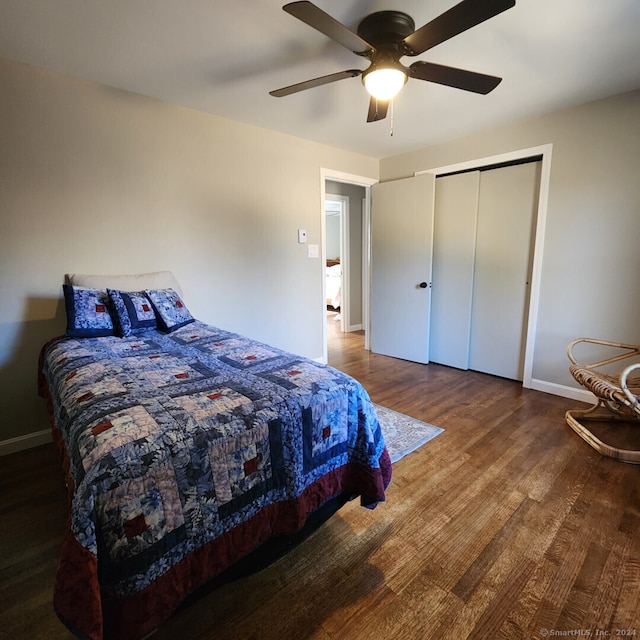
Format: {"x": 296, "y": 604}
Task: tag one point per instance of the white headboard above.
{"x": 129, "y": 282}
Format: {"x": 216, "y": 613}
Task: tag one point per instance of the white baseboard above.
{"x": 581, "y": 395}
{"x": 28, "y": 441}
{"x": 355, "y": 327}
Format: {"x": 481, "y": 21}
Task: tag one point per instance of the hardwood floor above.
{"x": 507, "y": 525}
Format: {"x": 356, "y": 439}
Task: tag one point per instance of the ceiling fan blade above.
{"x": 452, "y": 77}
{"x": 315, "y": 82}
{"x": 377, "y": 109}
{"x": 323, "y": 22}
{"x": 459, "y": 18}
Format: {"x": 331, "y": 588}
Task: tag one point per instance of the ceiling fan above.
{"x": 386, "y": 36}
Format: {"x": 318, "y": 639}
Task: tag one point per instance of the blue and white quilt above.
{"x": 184, "y": 451}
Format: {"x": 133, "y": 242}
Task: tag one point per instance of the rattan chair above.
{"x": 617, "y": 394}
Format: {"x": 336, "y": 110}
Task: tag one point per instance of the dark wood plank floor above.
{"x": 507, "y": 525}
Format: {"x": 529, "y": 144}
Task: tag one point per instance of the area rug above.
{"x": 403, "y": 434}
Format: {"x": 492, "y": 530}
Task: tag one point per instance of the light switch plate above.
{"x": 314, "y": 251}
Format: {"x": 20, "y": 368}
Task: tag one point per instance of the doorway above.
{"x": 357, "y": 252}
{"x": 336, "y": 274}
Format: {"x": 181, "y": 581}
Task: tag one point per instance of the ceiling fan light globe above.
{"x": 384, "y": 84}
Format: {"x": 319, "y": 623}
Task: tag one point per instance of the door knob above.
{"x": 423, "y": 285}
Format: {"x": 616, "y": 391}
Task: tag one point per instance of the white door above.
{"x": 401, "y": 247}
{"x": 504, "y": 250}
{"x": 454, "y": 240}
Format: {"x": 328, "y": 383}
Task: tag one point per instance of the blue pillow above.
{"x": 133, "y": 312}
{"x": 171, "y": 311}
{"x": 88, "y": 313}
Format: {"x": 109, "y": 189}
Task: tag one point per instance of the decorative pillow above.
{"x": 133, "y": 311}
{"x": 87, "y": 312}
{"x": 171, "y": 311}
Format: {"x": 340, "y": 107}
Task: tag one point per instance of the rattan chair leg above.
{"x": 624, "y": 455}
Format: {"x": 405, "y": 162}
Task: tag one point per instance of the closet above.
{"x": 483, "y": 240}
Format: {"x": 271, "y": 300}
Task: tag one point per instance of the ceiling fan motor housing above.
{"x": 386, "y": 28}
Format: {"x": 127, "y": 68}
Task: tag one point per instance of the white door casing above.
{"x": 366, "y": 183}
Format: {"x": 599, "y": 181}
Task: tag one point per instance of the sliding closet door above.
{"x": 504, "y": 250}
{"x": 454, "y": 238}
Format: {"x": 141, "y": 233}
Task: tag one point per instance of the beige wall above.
{"x": 103, "y": 181}
{"x": 94, "y": 180}
{"x": 591, "y": 260}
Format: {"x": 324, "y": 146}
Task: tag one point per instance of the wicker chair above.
{"x": 617, "y": 395}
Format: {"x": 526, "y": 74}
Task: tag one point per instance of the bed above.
{"x": 187, "y": 450}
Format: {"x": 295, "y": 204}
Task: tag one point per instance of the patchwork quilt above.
{"x": 183, "y": 452}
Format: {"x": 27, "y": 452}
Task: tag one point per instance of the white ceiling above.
{"x": 224, "y": 56}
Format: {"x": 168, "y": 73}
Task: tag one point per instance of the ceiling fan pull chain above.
{"x": 391, "y": 124}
